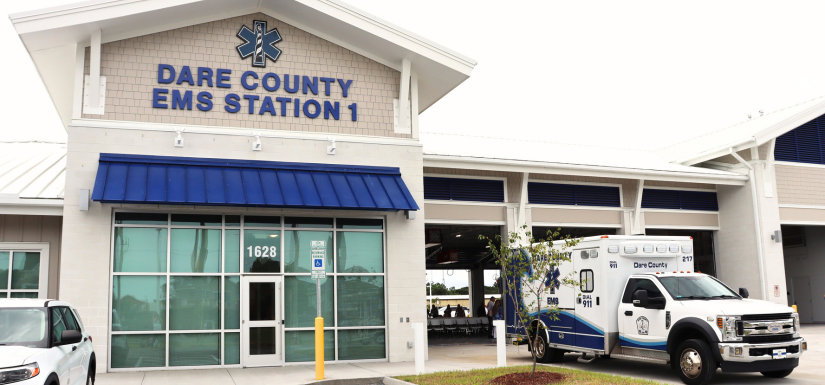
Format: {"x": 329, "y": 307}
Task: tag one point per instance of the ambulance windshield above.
{"x": 697, "y": 287}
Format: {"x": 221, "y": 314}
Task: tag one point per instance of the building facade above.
{"x": 215, "y": 147}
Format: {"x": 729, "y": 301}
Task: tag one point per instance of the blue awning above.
{"x": 223, "y": 182}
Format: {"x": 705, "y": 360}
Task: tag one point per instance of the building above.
{"x": 215, "y": 146}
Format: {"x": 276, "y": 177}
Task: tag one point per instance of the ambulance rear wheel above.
{"x": 694, "y": 362}
{"x": 544, "y": 353}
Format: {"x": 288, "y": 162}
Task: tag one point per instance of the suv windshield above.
{"x": 23, "y": 327}
{"x": 697, "y": 287}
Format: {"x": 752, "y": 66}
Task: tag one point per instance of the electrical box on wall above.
{"x": 97, "y": 108}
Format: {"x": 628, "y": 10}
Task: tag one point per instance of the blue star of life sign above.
{"x": 259, "y": 43}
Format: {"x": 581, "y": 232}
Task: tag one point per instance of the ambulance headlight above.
{"x": 727, "y": 325}
{"x": 796, "y": 325}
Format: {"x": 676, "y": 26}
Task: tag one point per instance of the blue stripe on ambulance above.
{"x": 631, "y": 343}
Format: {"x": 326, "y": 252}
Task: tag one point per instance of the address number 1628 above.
{"x": 262, "y": 252}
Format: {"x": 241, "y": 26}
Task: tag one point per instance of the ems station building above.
{"x": 215, "y": 146}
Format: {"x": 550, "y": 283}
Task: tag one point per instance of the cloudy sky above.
{"x": 638, "y": 74}
{"x": 634, "y": 74}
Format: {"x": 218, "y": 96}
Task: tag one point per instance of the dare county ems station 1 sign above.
{"x": 258, "y": 46}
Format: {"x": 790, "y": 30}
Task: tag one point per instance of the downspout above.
{"x": 754, "y": 195}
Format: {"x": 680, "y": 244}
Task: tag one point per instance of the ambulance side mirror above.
{"x": 640, "y": 298}
{"x": 743, "y": 292}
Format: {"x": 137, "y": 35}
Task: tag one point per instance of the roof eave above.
{"x": 759, "y": 138}
{"x": 508, "y": 165}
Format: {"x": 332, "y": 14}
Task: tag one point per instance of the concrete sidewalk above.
{"x": 442, "y": 358}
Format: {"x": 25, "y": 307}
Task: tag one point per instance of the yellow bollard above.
{"x": 319, "y": 348}
{"x": 795, "y": 310}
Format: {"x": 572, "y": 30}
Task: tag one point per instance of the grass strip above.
{"x": 484, "y": 376}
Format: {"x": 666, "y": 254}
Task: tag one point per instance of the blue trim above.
{"x": 804, "y": 144}
{"x": 572, "y": 194}
{"x": 630, "y": 343}
{"x": 461, "y": 189}
{"x": 679, "y": 200}
{"x": 226, "y": 182}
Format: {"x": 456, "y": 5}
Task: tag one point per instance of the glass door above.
{"x": 262, "y": 321}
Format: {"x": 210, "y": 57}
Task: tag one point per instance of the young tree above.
{"x": 529, "y": 268}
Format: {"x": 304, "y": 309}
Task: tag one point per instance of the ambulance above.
{"x": 640, "y": 299}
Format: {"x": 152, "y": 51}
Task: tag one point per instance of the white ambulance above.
{"x": 642, "y": 300}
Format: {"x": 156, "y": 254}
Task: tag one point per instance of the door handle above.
{"x": 74, "y": 347}
{"x": 628, "y": 313}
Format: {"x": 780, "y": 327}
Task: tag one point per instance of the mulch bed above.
{"x": 540, "y": 378}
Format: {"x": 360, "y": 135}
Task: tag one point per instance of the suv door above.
{"x": 63, "y": 319}
{"x": 639, "y": 327}
{"x": 58, "y": 326}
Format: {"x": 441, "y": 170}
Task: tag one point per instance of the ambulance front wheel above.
{"x": 694, "y": 362}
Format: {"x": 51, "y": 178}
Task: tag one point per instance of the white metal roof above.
{"x": 752, "y": 132}
{"x": 578, "y": 159}
{"x": 32, "y": 174}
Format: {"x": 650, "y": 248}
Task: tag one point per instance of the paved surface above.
{"x": 464, "y": 357}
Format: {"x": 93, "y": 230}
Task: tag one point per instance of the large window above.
{"x": 176, "y": 290}
{"x": 24, "y": 270}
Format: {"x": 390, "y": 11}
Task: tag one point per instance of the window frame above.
{"x": 591, "y": 282}
{"x": 43, "y": 278}
{"x": 223, "y": 275}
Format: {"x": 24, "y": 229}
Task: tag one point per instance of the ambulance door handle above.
{"x": 628, "y": 313}
{"x": 597, "y": 301}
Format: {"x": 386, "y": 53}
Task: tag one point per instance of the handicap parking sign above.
{"x": 318, "y": 263}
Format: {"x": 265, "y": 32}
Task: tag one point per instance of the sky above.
{"x": 458, "y": 278}
{"x": 632, "y": 74}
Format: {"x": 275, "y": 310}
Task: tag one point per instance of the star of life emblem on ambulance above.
{"x": 642, "y": 325}
{"x": 552, "y": 280}
{"x": 259, "y": 43}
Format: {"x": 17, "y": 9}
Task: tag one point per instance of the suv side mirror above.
{"x": 70, "y": 337}
{"x": 743, "y": 292}
{"x": 640, "y": 298}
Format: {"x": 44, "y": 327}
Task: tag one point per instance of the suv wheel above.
{"x": 778, "y": 373}
{"x": 694, "y": 362}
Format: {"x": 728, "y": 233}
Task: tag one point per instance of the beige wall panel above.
{"x": 787, "y": 214}
{"x": 464, "y": 212}
{"x": 544, "y": 215}
{"x": 131, "y": 65}
{"x": 653, "y": 218}
{"x": 800, "y": 185}
{"x": 36, "y": 228}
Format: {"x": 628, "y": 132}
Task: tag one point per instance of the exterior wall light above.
{"x": 179, "y": 138}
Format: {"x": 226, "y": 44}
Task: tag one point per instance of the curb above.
{"x": 395, "y": 381}
{"x": 362, "y": 381}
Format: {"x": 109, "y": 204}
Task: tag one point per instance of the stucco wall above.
{"x": 36, "y": 228}
{"x": 86, "y": 249}
{"x": 131, "y": 70}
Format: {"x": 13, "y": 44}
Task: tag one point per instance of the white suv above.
{"x": 44, "y": 342}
